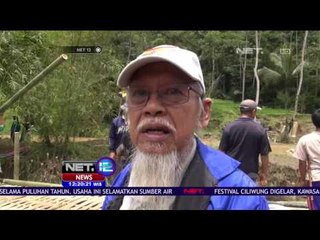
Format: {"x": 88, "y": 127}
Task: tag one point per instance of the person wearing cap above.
{"x": 246, "y": 140}
{"x": 124, "y": 150}
{"x": 166, "y": 106}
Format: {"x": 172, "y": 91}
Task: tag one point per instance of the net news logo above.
{"x": 87, "y": 174}
{"x": 106, "y": 166}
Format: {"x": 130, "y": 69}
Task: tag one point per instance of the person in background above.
{"x": 25, "y": 133}
{"x": 15, "y": 127}
{"x": 124, "y": 151}
{"x": 245, "y": 140}
{"x": 117, "y": 129}
{"x": 308, "y": 153}
{"x": 1, "y": 122}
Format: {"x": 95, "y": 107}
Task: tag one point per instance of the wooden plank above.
{"x": 51, "y": 202}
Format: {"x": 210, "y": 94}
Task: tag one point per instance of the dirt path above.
{"x": 282, "y": 154}
{"x": 281, "y": 148}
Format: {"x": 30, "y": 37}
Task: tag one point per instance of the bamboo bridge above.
{"x": 46, "y": 202}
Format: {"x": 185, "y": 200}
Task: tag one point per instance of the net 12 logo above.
{"x": 87, "y": 174}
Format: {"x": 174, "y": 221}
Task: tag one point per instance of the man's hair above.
{"x": 200, "y": 114}
{"x": 200, "y": 90}
{"x": 316, "y": 118}
{"x": 246, "y": 110}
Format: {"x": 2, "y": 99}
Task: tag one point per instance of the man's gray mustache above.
{"x": 159, "y": 121}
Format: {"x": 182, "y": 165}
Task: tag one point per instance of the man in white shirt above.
{"x": 308, "y": 153}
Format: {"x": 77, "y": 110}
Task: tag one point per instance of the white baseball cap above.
{"x": 185, "y": 60}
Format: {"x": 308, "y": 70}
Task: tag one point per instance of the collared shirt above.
{"x": 308, "y": 148}
{"x": 244, "y": 140}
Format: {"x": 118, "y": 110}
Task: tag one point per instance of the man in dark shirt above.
{"x": 245, "y": 139}
{"x": 125, "y": 150}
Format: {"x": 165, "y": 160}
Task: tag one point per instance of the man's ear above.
{"x": 254, "y": 113}
{"x": 206, "y": 114}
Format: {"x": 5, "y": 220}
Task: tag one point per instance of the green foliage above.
{"x": 223, "y": 112}
{"x": 74, "y": 98}
{"x": 21, "y": 55}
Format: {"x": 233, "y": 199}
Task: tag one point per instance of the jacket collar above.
{"x": 219, "y": 164}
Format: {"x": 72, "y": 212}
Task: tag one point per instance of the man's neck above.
{"x": 245, "y": 116}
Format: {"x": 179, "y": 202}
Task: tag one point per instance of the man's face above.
{"x": 157, "y": 128}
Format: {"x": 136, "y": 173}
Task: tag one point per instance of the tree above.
{"x": 281, "y": 77}
{"x": 220, "y": 61}
{"x": 301, "y": 74}
{"x": 244, "y": 66}
{"x": 256, "y": 68}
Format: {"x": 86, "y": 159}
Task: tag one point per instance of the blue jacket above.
{"x": 225, "y": 170}
{"x": 118, "y": 127}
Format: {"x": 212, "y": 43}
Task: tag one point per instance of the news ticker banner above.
{"x": 187, "y": 191}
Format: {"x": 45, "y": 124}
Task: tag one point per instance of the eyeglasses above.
{"x": 174, "y": 94}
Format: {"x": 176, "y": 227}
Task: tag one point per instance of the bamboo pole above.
{"x": 16, "y": 159}
{"x": 301, "y": 75}
{"x": 256, "y": 69}
{"x": 28, "y": 183}
{"x": 33, "y": 82}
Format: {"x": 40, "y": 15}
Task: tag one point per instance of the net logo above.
{"x": 78, "y": 167}
{"x": 248, "y": 50}
{"x": 106, "y": 166}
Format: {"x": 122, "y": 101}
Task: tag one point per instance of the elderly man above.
{"x": 166, "y": 106}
